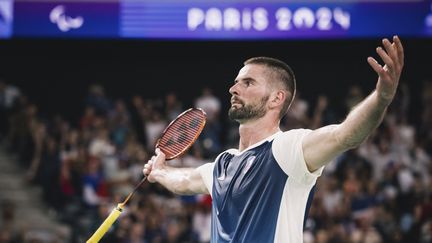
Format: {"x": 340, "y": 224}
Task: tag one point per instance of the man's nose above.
{"x": 234, "y": 89}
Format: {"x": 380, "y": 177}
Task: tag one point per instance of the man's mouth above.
{"x": 236, "y": 101}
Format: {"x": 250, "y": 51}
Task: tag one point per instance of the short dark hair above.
{"x": 283, "y": 73}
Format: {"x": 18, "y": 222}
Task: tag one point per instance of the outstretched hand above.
{"x": 154, "y": 165}
{"x": 388, "y": 75}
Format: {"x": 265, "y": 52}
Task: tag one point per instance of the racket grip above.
{"x": 103, "y": 228}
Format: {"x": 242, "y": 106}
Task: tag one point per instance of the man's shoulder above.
{"x": 285, "y": 141}
{"x": 293, "y": 133}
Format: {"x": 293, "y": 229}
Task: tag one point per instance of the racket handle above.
{"x": 100, "y": 232}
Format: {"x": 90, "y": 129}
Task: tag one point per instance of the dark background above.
{"x": 55, "y": 74}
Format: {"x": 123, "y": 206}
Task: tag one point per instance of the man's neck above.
{"x": 254, "y": 131}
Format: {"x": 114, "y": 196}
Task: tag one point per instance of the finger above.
{"x": 385, "y": 57}
{"x": 159, "y": 153}
{"x": 399, "y": 48}
{"x": 376, "y": 66}
{"x": 146, "y": 171}
{"x": 390, "y": 49}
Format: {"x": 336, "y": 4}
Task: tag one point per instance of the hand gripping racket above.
{"x": 176, "y": 139}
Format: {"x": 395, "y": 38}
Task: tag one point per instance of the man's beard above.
{"x": 248, "y": 112}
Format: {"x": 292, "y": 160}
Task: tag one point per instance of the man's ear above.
{"x": 277, "y": 98}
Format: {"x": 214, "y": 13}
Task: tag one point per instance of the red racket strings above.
{"x": 181, "y": 133}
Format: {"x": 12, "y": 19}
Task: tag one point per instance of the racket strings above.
{"x": 181, "y": 134}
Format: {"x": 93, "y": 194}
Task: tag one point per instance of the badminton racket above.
{"x": 175, "y": 140}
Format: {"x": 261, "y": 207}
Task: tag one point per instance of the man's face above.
{"x": 250, "y": 94}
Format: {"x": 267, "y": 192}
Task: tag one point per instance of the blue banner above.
{"x": 224, "y": 19}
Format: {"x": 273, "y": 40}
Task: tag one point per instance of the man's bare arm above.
{"x": 322, "y": 145}
{"x": 184, "y": 181}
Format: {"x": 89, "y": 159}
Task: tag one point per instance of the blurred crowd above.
{"x": 379, "y": 192}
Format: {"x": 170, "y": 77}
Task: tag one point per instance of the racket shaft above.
{"x": 100, "y": 232}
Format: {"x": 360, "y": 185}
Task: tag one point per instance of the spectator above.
{"x": 8, "y": 96}
{"x": 96, "y": 98}
{"x": 209, "y": 103}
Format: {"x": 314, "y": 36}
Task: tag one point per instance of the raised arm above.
{"x": 185, "y": 181}
{"x": 322, "y": 145}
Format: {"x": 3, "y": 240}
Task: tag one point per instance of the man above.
{"x": 261, "y": 191}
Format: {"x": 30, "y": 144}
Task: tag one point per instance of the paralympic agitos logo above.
{"x": 65, "y": 23}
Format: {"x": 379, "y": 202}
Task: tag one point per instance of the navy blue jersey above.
{"x": 261, "y": 194}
